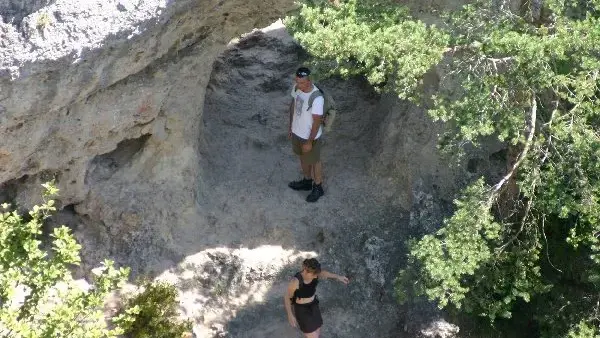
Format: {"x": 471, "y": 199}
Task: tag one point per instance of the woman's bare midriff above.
{"x": 304, "y": 300}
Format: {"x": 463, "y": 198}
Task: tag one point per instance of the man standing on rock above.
{"x": 305, "y": 131}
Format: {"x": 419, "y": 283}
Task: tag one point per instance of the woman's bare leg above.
{"x": 314, "y": 334}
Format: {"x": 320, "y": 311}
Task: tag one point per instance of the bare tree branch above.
{"x": 513, "y": 238}
{"x": 499, "y": 60}
{"x": 546, "y": 240}
{"x": 532, "y": 119}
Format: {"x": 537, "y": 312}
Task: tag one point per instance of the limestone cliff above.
{"x": 107, "y": 97}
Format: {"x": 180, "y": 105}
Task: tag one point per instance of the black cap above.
{"x": 302, "y": 72}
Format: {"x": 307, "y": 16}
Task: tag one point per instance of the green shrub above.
{"x": 52, "y": 305}
{"x": 583, "y": 330}
{"x": 154, "y": 313}
{"x": 43, "y": 21}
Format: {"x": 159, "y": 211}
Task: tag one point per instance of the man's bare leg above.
{"x": 306, "y": 182}
{"x": 317, "y": 173}
{"x": 306, "y": 169}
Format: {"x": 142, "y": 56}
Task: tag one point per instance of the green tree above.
{"x": 530, "y": 79}
{"x": 38, "y": 296}
{"x": 371, "y": 38}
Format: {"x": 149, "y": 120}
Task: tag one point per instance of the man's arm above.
{"x": 292, "y": 106}
{"x": 330, "y": 275}
{"x": 292, "y": 109}
{"x": 315, "y": 127}
{"x": 317, "y": 115}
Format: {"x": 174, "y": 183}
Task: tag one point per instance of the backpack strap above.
{"x": 313, "y": 96}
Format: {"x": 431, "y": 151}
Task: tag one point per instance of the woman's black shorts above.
{"x": 308, "y": 316}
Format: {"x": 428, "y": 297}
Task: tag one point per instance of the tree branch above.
{"x": 513, "y": 238}
{"x": 499, "y": 60}
{"x": 546, "y": 240}
{"x": 471, "y": 47}
{"x": 532, "y": 119}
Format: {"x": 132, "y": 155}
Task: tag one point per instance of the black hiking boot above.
{"x": 303, "y": 184}
{"x": 316, "y": 193}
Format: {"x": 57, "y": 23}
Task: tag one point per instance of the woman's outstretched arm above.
{"x": 330, "y": 275}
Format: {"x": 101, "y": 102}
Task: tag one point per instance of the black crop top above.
{"x": 305, "y": 290}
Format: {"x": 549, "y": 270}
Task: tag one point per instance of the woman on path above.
{"x": 301, "y": 303}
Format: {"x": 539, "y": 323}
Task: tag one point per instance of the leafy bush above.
{"x": 38, "y": 296}
{"x": 43, "y": 20}
{"x": 153, "y": 313}
{"x": 583, "y": 330}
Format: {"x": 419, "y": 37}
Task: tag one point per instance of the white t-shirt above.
{"x": 303, "y": 121}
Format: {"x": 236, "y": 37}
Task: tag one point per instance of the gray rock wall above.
{"x": 107, "y": 98}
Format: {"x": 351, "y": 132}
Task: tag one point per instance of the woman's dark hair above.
{"x": 312, "y": 265}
